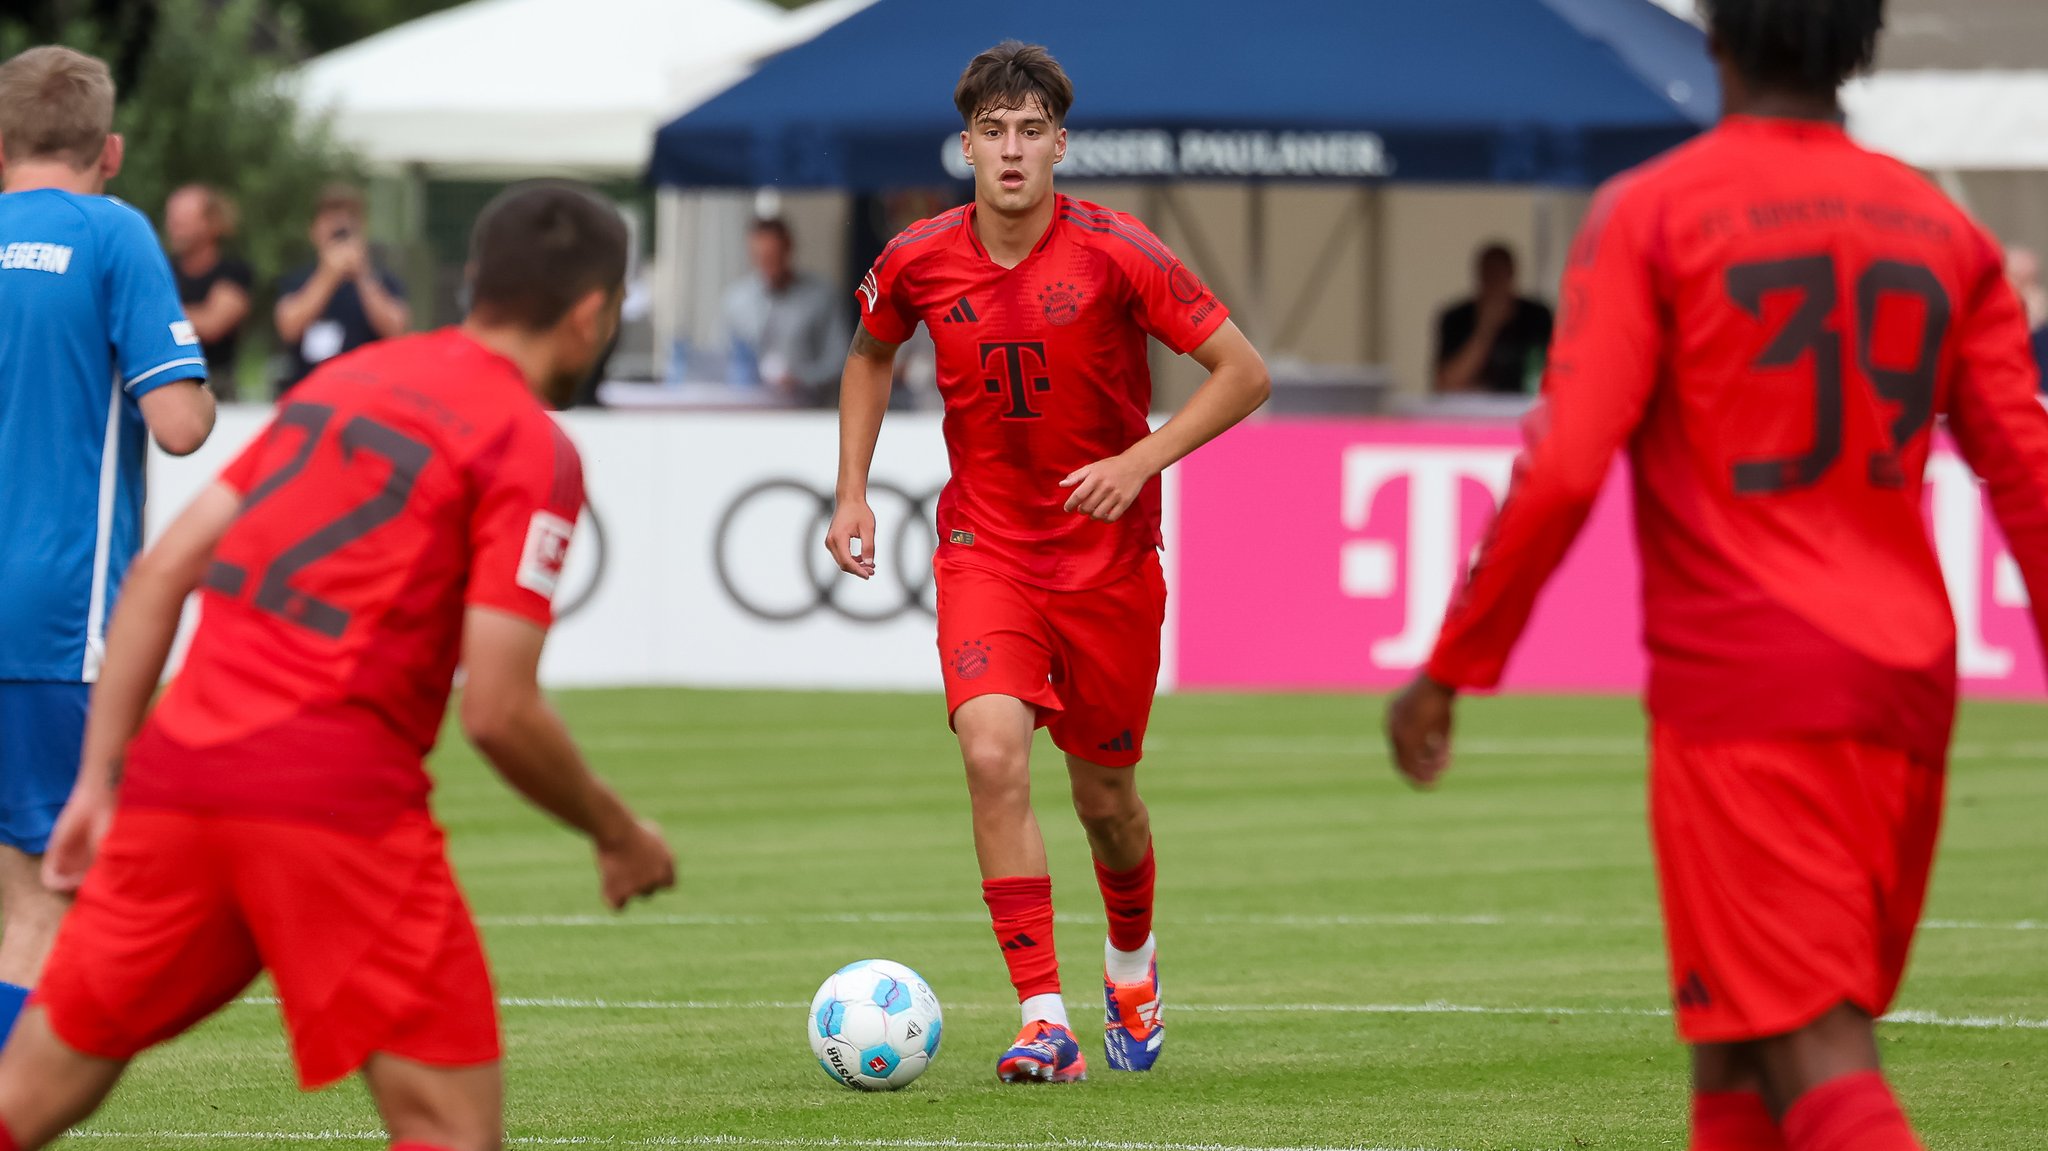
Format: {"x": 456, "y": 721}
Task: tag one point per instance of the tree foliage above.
{"x": 206, "y": 101}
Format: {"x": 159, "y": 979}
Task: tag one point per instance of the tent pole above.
{"x": 1255, "y": 256}
{"x": 1373, "y": 207}
{"x": 666, "y": 281}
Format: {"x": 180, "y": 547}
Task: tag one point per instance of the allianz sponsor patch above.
{"x": 183, "y": 334}
{"x": 546, "y": 550}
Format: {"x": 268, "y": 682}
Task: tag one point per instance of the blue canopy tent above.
{"x": 1562, "y": 92}
{"x": 1346, "y": 93}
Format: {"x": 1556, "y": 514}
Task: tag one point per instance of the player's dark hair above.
{"x": 1494, "y": 251}
{"x": 1806, "y": 46}
{"x": 1009, "y": 76}
{"x": 771, "y": 226}
{"x": 541, "y": 246}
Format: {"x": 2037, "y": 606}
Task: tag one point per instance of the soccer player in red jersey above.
{"x": 411, "y": 503}
{"x": 1051, "y": 597}
{"x": 1771, "y": 318}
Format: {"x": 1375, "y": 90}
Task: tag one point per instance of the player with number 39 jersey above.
{"x": 1772, "y": 321}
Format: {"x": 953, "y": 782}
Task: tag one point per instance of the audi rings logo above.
{"x": 769, "y": 553}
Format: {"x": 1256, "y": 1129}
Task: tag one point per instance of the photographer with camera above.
{"x": 343, "y": 300}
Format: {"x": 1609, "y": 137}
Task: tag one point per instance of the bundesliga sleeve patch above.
{"x": 546, "y": 550}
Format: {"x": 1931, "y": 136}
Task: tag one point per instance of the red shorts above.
{"x": 368, "y": 940}
{"x": 1792, "y": 874}
{"x": 1087, "y": 660}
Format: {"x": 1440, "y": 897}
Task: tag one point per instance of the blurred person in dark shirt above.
{"x": 212, "y": 284}
{"x": 342, "y": 300}
{"x": 1495, "y": 341}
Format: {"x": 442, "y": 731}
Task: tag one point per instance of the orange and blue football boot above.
{"x": 1133, "y": 1034}
{"x": 1044, "y": 1053}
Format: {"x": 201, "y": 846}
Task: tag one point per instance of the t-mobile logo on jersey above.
{"x": 1431, "y": 534}
{"x": 1017, "y": 367}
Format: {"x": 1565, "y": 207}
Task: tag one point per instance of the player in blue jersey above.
{"x": 94, "y": 348}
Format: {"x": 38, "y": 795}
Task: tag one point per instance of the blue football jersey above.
{"x": 89, "y": 323}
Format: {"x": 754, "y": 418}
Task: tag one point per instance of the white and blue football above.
{"x": 875, "y": 1025}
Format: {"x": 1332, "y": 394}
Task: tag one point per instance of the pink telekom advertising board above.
{"x": 1322, "y": 555}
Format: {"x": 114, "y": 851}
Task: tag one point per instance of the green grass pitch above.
{"x": 1347, "y": 964}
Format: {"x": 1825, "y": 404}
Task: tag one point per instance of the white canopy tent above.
{"x": 1943, "y": 120}
{"x": 523, "y": 87}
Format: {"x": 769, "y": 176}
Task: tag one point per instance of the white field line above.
{"x": 1434, "y": 1007}
{"x": 714, "y": 1141}
{"x": 1310, "y": 745}
{"x": 631, "y": 919}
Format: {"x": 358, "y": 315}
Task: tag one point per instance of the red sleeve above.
{"x": 529, "y": 495}
{"x": 1168, "y": 301}
{"x": 241, "y": 474}
{"x": 1602, "y": 368}
{"x": 1996, "y": 416}
{"x": 882, "y": 309}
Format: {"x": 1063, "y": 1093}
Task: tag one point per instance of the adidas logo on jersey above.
{"x": 1122, "y": 742}
{"x": 962, "y": 313}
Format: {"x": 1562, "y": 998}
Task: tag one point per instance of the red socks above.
{"x": 1127, "y": 897}
{"x": 1020, "y": 907}
{"x": 7, "y": 1142}
{"x": 1733, "y": 1121}
{"x": 1854, "y": 1113}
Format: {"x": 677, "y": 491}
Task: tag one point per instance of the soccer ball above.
{"x": 875, "y": 1025}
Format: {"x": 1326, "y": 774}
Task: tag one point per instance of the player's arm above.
{"x": 179, "y": 415}
{"x": 1238, "y": 383}
{"x": 1602, "y": 369}
{"x": 1996, "y": 416}
{"x": 138, "y": 643}
{"x": 512, "y": 724}
{"x": 156, "y": 351}
{"x": 222, "y": 311}
{"x": 863, "y": 397}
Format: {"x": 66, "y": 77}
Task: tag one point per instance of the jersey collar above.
{"x": 1059, "y": 211}
{"x": 1786, "y": 126}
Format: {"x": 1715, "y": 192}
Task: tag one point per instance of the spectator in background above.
{"x": 1494, "y": 342}
{"x": 789, "y": 332}
{"x": 2023, "y": 269}
{"x": 341, "y": 301}
{"x": 213, "y": 285}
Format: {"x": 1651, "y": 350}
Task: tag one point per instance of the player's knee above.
{"x": 997, "y": 766}
{"x": 32, "y": 909}
{"x": 1107, "y": 810}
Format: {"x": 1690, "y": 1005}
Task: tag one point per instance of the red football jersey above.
{"x": 1771, "y": 318}
{"x": 1042, "y": 368}
{"x": 397, "y": 486}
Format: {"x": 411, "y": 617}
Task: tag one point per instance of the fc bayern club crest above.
{"x": 970, "y": 659}
{"x": 1062, "y": 304}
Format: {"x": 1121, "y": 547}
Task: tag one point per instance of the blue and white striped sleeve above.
{"x": 154, "y": 344}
